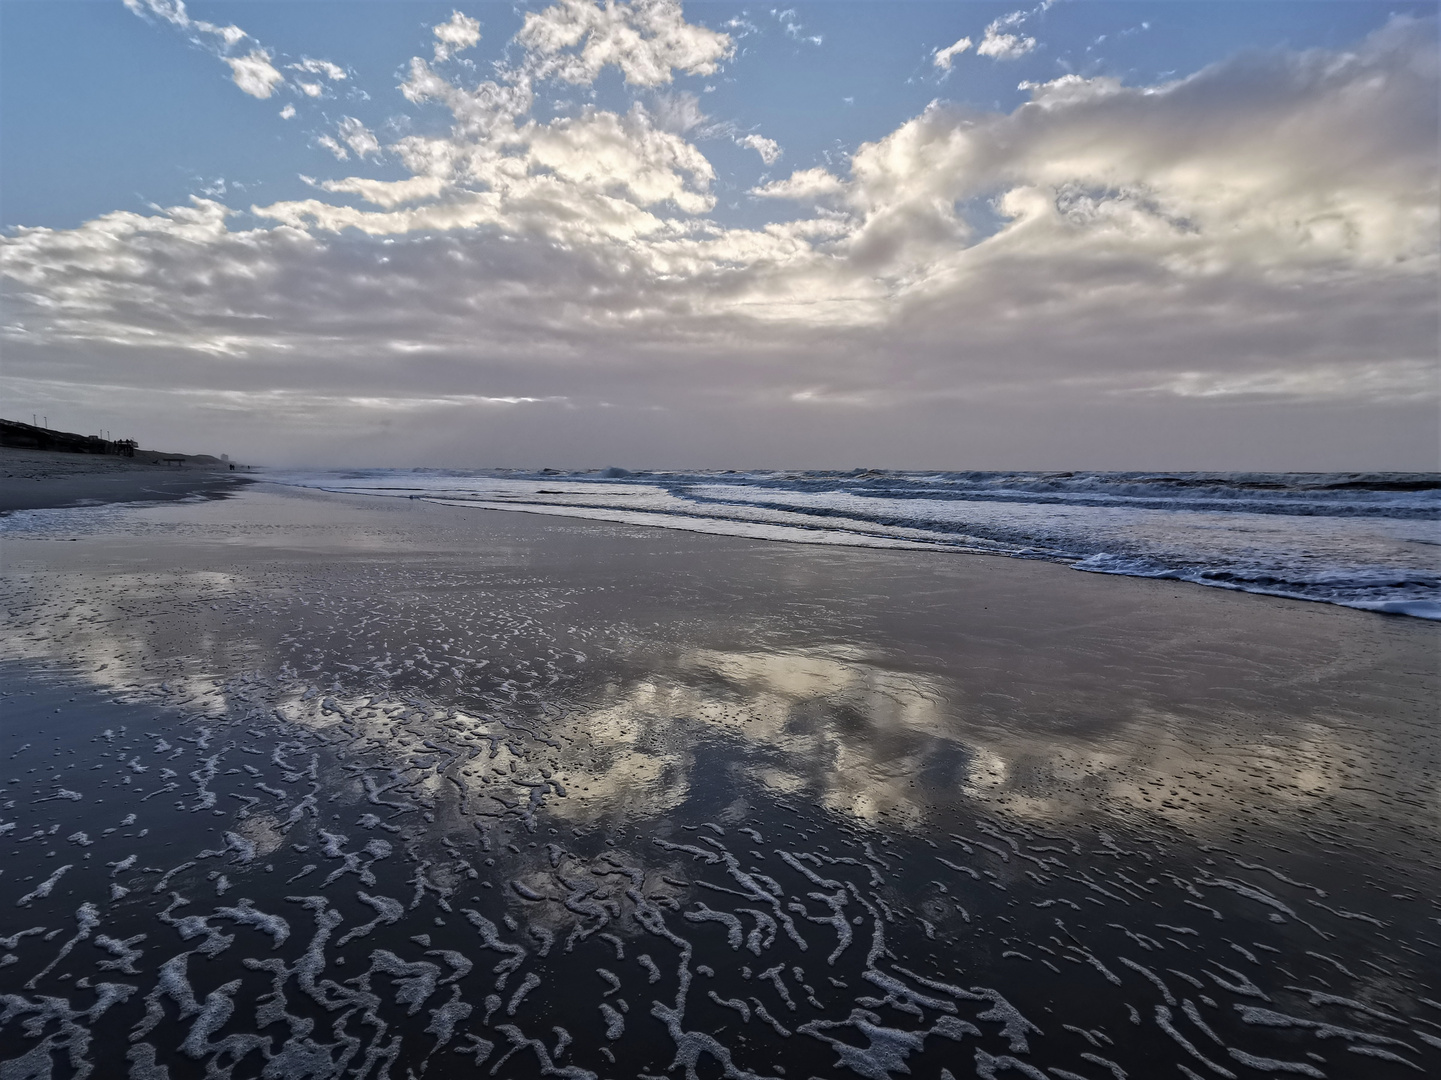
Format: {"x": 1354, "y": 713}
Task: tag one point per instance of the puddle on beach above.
{"x": 300, "y": 786}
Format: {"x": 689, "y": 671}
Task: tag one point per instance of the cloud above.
{"x": 333, "y": 72}
{"x": 805, "y": 185}
{"x": 287, "y": 112}
{"x": 254, "y": 73}
{"x": 172, "y": 11}
{"x": 175, "y": 13}
{"x": 768, "y": 149}
{"x": 1005, "y": 284}
{"x": 458, "y": 33}
{"x": 677, "y": 112}
{"x": 351, "y": 136}
{"x": 358, "y": 137}
{"x": 741, "y": 27}
{"x": 1386, "y": 380}
{"x": 943, "y": 57}
{"x": 1004, "y": 46}
{"x": 645, "y": 39}
{"x": 788, "y": 19}
{"x": 231, "y": 35}
{"x": 1001, "y": 43}
{"x": 387, "y": 193}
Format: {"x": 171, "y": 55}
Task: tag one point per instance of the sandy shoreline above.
{"x": 35, "y": 480}
{"x": 1000, "y": 801}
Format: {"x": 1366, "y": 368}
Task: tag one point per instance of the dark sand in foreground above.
{"x": 418, "y": 787}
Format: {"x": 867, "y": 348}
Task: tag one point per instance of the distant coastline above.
{"x": 39, "y": 479}
{"x": 17, "y": 435}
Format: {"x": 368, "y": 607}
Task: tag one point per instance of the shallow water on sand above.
{"x": 302, "y": 786}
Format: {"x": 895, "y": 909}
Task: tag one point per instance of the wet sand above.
{"x": 419, "y": 787}
{"x": 38, "y": 479}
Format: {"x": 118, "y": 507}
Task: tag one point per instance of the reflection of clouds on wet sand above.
{"x": 846, "y": 730}
{"x": 853, "y": 734}
{"x": 875, "y": 743}
{"x": 124, "y": 631}
{"x": 836, "y": 724}
{"x": 630, "y": 761}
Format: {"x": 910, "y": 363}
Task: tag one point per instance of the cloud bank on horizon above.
{"x": 557, "y": 256}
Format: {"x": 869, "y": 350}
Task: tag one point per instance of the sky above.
{"x": 1074, "y": 235}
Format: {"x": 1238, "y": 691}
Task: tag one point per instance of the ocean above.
{"x": 1361, "y": 540}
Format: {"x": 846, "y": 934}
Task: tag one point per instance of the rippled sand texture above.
{"x": 306, "y": 786}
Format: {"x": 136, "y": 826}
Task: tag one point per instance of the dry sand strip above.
{"x": 40, "y": 479}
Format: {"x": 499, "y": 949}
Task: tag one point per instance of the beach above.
{"x": 306, "y": 782}
{"x": 856, "y": 541}
{"x": 39, "y": 479}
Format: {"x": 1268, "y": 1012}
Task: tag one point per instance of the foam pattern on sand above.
{"x": 459, "y": 918}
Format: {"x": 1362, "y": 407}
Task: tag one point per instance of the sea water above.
{"x": 1362, "y": 540}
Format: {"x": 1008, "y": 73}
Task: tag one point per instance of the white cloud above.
{"x": 1265, "y": 230}
{"x": 943, "y": 57}
{"x": 1001, "y": 43}
{"x": 677, "y": 112}
{"x": 329, "y": 142}
{"x": 458, "y": 33}
{"x": 768, "y": 149}
{"x": 805, "y": 185}
{"x": 175, "y": 13}
{"x": 789, "y": 20}
{"x": 172, "y": 11}
{"x": 333, "y": 72}
{"x": 358, "y": 137}
{"x": 386, "y": 193}
{"x": 741, "y": 27}
{"x": 645, "y": 39}
{"x": 287, "y": 112}
{"x": 254, "y": 73}
{"x": 231, "y": 35}
{"x": 1001, "y": 46}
